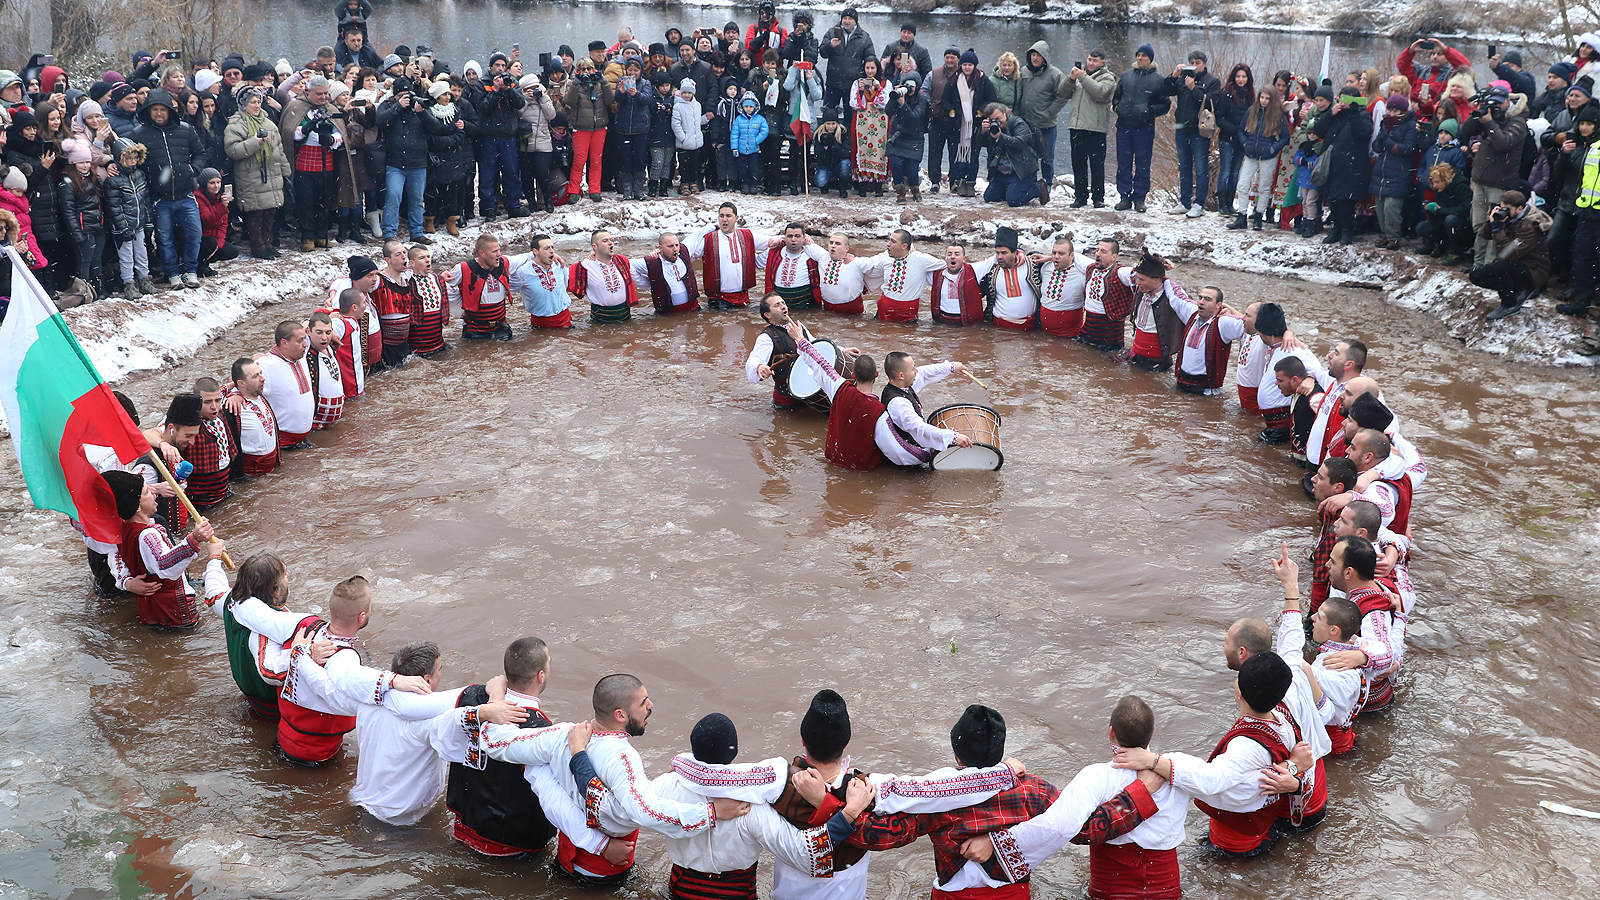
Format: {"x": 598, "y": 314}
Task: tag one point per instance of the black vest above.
{"x": 497, "y": 802}
{"x": 889, "y": 393}
{"x": 782, "y": 345}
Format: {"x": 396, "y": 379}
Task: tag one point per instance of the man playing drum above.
{"x": 775, "y": 352}
{"x": 904, "y": 407}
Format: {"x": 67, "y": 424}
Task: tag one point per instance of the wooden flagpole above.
{"x": 155, "y": 457}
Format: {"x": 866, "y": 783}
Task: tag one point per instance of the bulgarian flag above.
{"x": 55, "y": 403}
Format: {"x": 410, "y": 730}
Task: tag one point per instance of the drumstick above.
{"x": 974, "y": 379}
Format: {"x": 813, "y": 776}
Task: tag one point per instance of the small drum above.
{"x": 980, "y": 423}
{"x": 794, "y": 377}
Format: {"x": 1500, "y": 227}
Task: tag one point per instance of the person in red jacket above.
{"x": 214, "y": 246}
{"x": 1430, "y": 75}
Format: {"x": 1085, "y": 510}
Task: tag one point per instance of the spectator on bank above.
{"x": 1344, "y": 134}
{"x": 1089, "y": 91}
{"x": 1496, "y": 132}
{"x": 1396, "y": 145}
{"x": 1521, "y": 259}
{"x": 1042, "y": 94}
{"x": 1234, "y": 102}
{"x": 966, "y": 96}
{"x": 907, "y": 44}
{"x": 845, "y": 47}
{"x": 1014, "y": 168}
{"x": 689, "y": 139}
{"x": 1446, "y": 226}
{"x": 941, "y": 126}
{"x": 450, "y": 159}
{"x": 538, "y": 110}
{"x": 128, "y": 217}
{"x": 406, "y": 127}
{"x": 171, "y": 149}
{"x": 1138, "y": 101}
{"x": 28, "y": 153}
{"x": 589, "y": 99}
{"x": 83, "y": 211}
{"x": 353, "y": 50}
{"x": 1508, "y": 68}
{"x": 311, "y": 125}
{"x": 498, "y": 110}
{"x": 1007, "y": 81}
{"x": 1195, "y": 90}
{"x": 908, "y": 124}
{"x": 1262, "y": 136}
{"x": 213, "y": 205}
{"x": 869, "y": 128}
{"x": 831, "y": 150}
{"x": 260, "y": 167}
{"x": 1429, "y": 63}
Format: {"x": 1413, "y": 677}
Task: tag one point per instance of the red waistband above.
{"x": 850, "y": 308}
{"x": 562, "y": 319}
{"x": 290, "y": 438}
{"x": 1018, "y": 891}
{"x": 259, "y": 465}
{"x": 1343, "y": 739}
{"x": 891, "y": 310}
{"x": 464, "y": 833}
{"x": 1015, "y": 325}
{"x": 1130, "y": 872}
{"x": 575, "y": 859}
{"x": 1147, "y": 344}
{"x": 739, "y": 298}
{"x": 1062, "y": 323}
{"x": 779, "y": 398}
{"x": 1247, "y": 399}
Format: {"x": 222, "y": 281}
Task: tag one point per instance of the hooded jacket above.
{"x": 259, "y": 164}
{"x": 749, "y": 128}
{"x": 589, "y": 105}
{"x": 1042, "y": 93}
{"x": 81, "y": 210}
{"x": 1498, "y": 159}
{"x": 686, "y": 119}
{"x": 172, "y": 150}
{"x": 127, "y": 203}
{"x": 536, "y": 115}
{"x": 43, "y": 204}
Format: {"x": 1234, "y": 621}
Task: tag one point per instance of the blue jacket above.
{"x": 1396, "y": 146}
{"x": 633, "y": 110}
{"x": 747, "y": 131}
{"x": 1255, "y": 142}
{"x": 1436, "y": 154}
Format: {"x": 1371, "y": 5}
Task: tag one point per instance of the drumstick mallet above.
{"x": 974, "y": 379}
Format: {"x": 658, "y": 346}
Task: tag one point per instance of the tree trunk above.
{"x": 72, "y": 27}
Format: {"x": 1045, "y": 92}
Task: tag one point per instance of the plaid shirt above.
{"x": 948, "y": 830}
{"x": 1321, "y": 554}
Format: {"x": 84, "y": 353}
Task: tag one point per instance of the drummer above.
{"x": 774, "y": 343}
{"x": 904, "y": 408}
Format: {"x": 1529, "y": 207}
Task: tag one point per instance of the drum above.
{"x": 794, "y": 377}
{"x": 980, "y": 423}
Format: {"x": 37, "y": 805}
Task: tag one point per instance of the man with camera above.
{"x": 908, "y": 44}
{"x": 1497, "y": 130}
{"x": 406, "y": 124}
{"x": 1013, "y": 157}
{"x": 1195, "y": 90}
{"x": 1433, "y": 70}
{"x": 499, "y": 106}
{"x": 1521, "y": 264}
{"x": 844, "y": 48}
{"x": 314, "y": 127}
{"x": 1090, "y": 84}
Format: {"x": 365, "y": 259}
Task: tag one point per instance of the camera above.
{"x": 587, "y": 76}
{"x": 1188, "y": 71}
{"x": 174, "y": 54}
{"x": 1080, "y": 64}
{"x": 1426, "y": 45}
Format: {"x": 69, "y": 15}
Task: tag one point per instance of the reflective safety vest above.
{"x": 1589, "y": 189}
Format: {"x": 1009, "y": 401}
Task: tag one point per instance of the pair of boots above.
{"x": 900, "y": 193}
{"x": 1225, "y": 203}
{"x": 1238, "y": 223}
{"x": 1309, "y": 227}
{"x": 964, "y": 188}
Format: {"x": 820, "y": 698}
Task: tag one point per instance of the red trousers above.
{"x": 586, "y": 148}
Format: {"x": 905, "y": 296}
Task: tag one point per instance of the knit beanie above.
{"x": 390, "y": 62}
{"x": 1399, "y": 104}
{"x": 1146, "y": 50}
{"x": 283, "y": 68}
{"x": 360, "y": 267}
{"x": 714, "y": 740}
{"x": 825, "y": 728}
{"x": 1264, "y": 679}
{"x": 1325, "y": 92}
{"x": 438, "y": 89}
{"x": 686, "y": 85}
{"x": 77, "y": 151}
{"x": 205, "y": 80}
{"x": 205, "y": 177}
{"x": 1451, "y": 126}
{"x": 127, "y": 489}
{"x": 971, "y": 56}
{"x": 15, "y": 181}
{"x": 99, "y": 89}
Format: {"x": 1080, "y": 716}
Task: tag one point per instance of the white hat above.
{"x": 205, "y": 80}
{"x": 283, "y": 68}
{"x": 336, "y": 88}
{"x": 438, "y": 89}
{"x": 686, "y": 85}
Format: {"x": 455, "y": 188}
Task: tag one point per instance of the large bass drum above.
{"x": 794, "y": 378}
{"x": 980, "y": 423}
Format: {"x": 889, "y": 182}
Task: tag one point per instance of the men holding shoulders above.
{"x": 288, "y": 385}
{"x": 541, "y": 281}
{"x": 1009, "y": 296}
{"x": 794, "y": 268}
{"x": 605, "y": 279}
{"x": 1059, "y": 280}
{"x": 728, "y": 258}
{"x": 1208, "y": 338}
{"x": 669, "y": 276}
{"x": 904, "y": 272}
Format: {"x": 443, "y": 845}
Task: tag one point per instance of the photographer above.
{"x": 589, "y": 98}
{"x": 802, "y": 43}
{"x": 908, "y": 123}
{"x": 1497, "y": 130}
{"x": 498, "y": 107}
{"x": 314, "y": 127}
{"x": 1195, "y": 89}
{"x": 406, "y": 126}
{"x": 538, "y": 110}
{"x": 766, "y": 33}
{"x": 1013, "y": 158}
{"x": 1429, "y": 63}
{"x": 1521, "y": 261}
{"x": 845, "y": 48}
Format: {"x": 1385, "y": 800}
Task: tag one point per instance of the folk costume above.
{"x": 482, "y": 293}
{"x": 673, "y": 288}
{"x": 796, "y": 277}
{"x": 258, "y": 434}
{"x": 1107, "y": 300}
{"x": 259, "y": 638}
{"x": 608, "y": 285}
{"x": 288, "y": 389}
{"x": 1343, "y": 691}
{"x": 1207, "y": 348}
{"x": 1009, "y": 295}
{"x": 956, "y": 298}
{"x": 543, "y": 291}
{"x": 147, "y": 549}
{"x": 314, "y": 715}
{"x": 1275, "y": 407}
{"x": 1254, "y": 367}
{"x": 844, "y": 285}
{"x": 430, "y": 313}
{"x": 213, "y": 452}
{"x": 903, "y": 409}
{"x": 1158, "y": 317}
{"x": 500, "y": 809}
{"x": 1061, "y": 295}
{"x": 853, "y": 415}
{"x": 392, "y": 299}
{"x": 774, "y": 343}
{"x": 728, "y": 262}
{"x": 900, "y": 294}
{"x": 360, "y": 337}
{"x": 327, "y": 384}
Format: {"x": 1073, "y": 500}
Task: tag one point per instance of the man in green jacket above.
{"x": 1088, "y": 123}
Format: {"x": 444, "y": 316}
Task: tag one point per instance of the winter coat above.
{"x": 1454, "y": 200}
{"x": 497, "y": 112}
{"x": 661, "y": 121}
{"x": 589, "y": 105}
{"x": 1422, "y": 71}
{"x": 1007, "y": 91}
{"x": 844, "y": 61}
{"x": 295, "y": 115}
{"x": 722, "y": 118}
{"x": 1345, "y": 137}
{"x": 405, "y": 134}
{"x": 1140, "y": 98}
{"x": 81, "y": 212}
{"x": 1566, "y": 176}
{"x": 1016, "y": 143}
{"x": 1521, "y": 82}
{"x": 1435, "y": 154}
{"x": 1091, "y": 96}
{"x": 813, "y": 87}
{"x": 1522, "y": 240}
{"x": 908, "y": 126}
{"x": 919, "y": 54}
{"x": 633, "y": 110}
{"x": 257, "y": 184}
{"x": 536, "y": 115}
{"x": 172, "y": 150}
{"x": 1497, "y": 160}
{"x": 1190, "y": 100}
{"x": 1549, "y": 104}
{"x": 1232, "y": 113}
{"x": 18, "y": 206}
{"x": 982, "y": 96}
{"x": 705, "y": 80}
{"x": 360, "y": 129}
{"x": 686, "y": 119}
{"x": 748, "y": 130}
{"x": 43, "y": 204}
{"x": 1396, "y": 147}
{"x": 127, "y": 203}
{"x": 450, "y": 154}
{"x": 1255, "y": 143}
{"x": 123, "y": 123}
{"x": 777, "y": 116}
{"x": 213, "y": 216}
{"x": 830, "y": 148}
{"x": 1042, "y": 93}
{"x": 933, "y": 91}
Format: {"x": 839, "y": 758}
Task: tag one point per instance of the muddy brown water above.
{"x": 624, "y": 493}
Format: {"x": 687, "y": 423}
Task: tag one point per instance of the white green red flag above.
{"x": 55, "y": 403}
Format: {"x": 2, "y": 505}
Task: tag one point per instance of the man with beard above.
{"x": 671, "y": 280}
{"x": 214, "y": 448}
{"x": 956, "y": 298}
{"x": 1009, "y": 297}
{"x": 1059, "y": 279}
{"x": 775, "y": 354}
